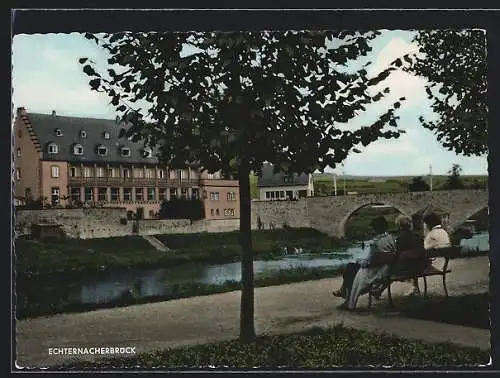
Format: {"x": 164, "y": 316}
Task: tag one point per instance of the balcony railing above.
{"x": 132, "y": 181}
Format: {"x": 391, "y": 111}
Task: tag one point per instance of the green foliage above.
{"x": 257, "y": 97}
{"x": 72, "y": 255}
{"x": 455, "y": 66}
{"x": 182, "y": 208}
{"x": 315, "y": 348}
{"x": 454, "y": 181}
{"x": 418, "y": 185}
{"x": 358, "y": 225}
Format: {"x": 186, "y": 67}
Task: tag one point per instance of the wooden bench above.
{"x": 418, "y": 257}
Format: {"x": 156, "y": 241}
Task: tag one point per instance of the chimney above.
{"x": 53, "y": 113}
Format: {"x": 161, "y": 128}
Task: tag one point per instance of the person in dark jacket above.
{"x": 409, "y": 245}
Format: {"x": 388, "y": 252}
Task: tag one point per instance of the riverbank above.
{"x": 283, "y": 309}
{"x": 38, "y": 258}
{"x": 177, "y": 291}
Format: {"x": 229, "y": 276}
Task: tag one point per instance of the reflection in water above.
{"x": 104, "y": 287}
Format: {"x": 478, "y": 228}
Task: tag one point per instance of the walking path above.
{"x": 278, "y": 309}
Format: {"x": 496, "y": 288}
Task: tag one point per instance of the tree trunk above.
{"x": 247, "y": 328}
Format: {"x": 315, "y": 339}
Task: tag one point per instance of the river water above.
{"x": 107, "y": 286}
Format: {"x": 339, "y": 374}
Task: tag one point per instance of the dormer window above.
{"x": 59, "y": 132}
{"x": 53, "y": 148}
{"x": 78, "y": 149}
{"x": 102, "y": 150}
{"x": 105, "y": 135}
{"x": 83, "y": 134}
{"x": 147, "y": 152}
{"x": 125, "y": 151}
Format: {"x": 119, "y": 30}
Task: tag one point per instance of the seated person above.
{"x": 409, "y": 245}
{"x": 437, "y": 237}
{"x": 370, "y": 277}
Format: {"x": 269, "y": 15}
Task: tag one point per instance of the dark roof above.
{"x": 45, "y": 126}
{"x": 269, "y": 178}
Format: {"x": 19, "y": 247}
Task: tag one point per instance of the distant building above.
{"x": 82, "y": 162}
{"x": 280, "y": 186}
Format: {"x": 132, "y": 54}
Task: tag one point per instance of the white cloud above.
{"x": 401, "y": 84}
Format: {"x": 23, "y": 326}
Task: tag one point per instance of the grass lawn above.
{"x": 471, "y": 310}
{"x": 46, "y": 257}
{"x": 315, "y": 348}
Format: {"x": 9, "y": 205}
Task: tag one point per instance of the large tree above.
{"x": 454, "y": 63}
{"x": 232, "y": 101}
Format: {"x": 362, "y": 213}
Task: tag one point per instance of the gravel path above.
{"x": 278, "y": 309}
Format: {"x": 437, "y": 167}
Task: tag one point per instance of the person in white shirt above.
{"x": 437, "y": 237}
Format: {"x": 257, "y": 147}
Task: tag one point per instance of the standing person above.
{"x": 382, "y": 247}
{"x": 408, "y": 245}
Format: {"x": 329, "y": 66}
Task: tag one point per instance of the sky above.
{"x": 46, "y": 76}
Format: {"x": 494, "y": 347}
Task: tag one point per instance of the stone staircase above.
{"x": 156, "y": 243}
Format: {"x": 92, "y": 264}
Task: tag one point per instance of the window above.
{"x": 147, "y": 152}
{"x": 282, "y": 194}
{"x": 268, "y": 195}
{"x": 127, "y": 194}
{"x": 86, "y": 172}
{"x": 83, "y": 134}
{"x": 126, "y": 173}
{"x": 231, "y": 212}
{"x": 89, "y": 194}
{"x": 102, "y": 151}
{"x": 163, "y": 194}
{"x": 18, "y": 174}
{"x": 99, "y": 172}
{"x": 195, "y": 193}
{"x": 150, "y": 173}
{"x": 115, "y": 194}
{"x": 173, "y": 174}
{"x": 226, "y": 211}
{"x": 139, "y": 195}
{"x": 184, "y": 192}
{"x": 72, "y": 172}
{"x": 75, "y": 195}
{"x": 55, "y": 193}
{"x": 78, "y": 149}
{"x": 214, "y": 196}
{"x": 161, "y": 173}
{"x": 193, "y": 174}
{"x": 102, "y": 194}
{"x": 18, "y": 152}
{"x": 53, "y": 148}
{"x": 151, "y": 194}
{"x": 217, "y": 212}
{"x": 105, "y": 135}
{"x": 54, "y": 171}
{"x": 212, "y": 212}
{"x": 139, "y": 173}
{"x": 214, "y": 176}
{"x": 173, "y": 193}
{"x": 125, "y": 152}
{"x": 184, "y": 174}
{"x": 27, "y": 194}
{"x": 231, "y": 196}
{"x": 59, "y": 132}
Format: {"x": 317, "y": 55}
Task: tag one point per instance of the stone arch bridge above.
{"x": 330, "y": 214}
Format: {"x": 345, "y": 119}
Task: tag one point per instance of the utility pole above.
{"x": 343, "y": 172}
{"x": 335, "y": 183}
{"x": 430, "y": 176}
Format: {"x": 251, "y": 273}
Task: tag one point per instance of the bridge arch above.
{"x": 356, "y": 207}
